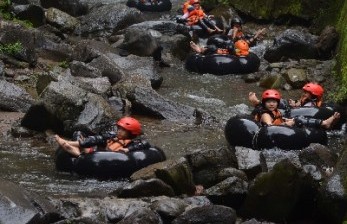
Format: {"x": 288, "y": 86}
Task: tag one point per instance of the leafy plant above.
{"x": 64, "y": 64}
{"x": 11, "y": 49}
{"x": 6, "y": 15}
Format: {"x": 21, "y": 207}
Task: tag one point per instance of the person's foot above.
{"x": 199, "y": 190}
{"x": 209, "y": 30}
{"x": 195, "y": 47}
{"x": 328, "y": 123}
{"x": 64, "y": 145}
{"x": 219, "y": 30}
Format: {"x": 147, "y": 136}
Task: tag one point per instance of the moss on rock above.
{"x": 341, "y": 65}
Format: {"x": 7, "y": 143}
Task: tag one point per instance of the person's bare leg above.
{"x": 67, "y": 147}
{"x": 218, "y": 30}
{"x": 73, "y": 143}
{"x": 209, "y": 30}
{"x": 195, "y": 47}
{"x": 328, "y": 123}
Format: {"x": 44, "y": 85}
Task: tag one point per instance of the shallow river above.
{"x": 30, "y": 162}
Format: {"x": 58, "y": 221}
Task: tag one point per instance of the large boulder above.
{"x": 104, "y": 20}
{"x": 332, "y": 200}
{"x": 14, "y": 98}
{"x": 18, "y": 205}
{"x": 294, "y": 44}
{"x": 67, "y": 105}
{"x": 207, "y": 214}
{"x": 289, "y": 12}
{"x": 285, "y": 193}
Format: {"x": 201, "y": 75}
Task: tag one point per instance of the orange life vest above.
{"x": 241, "y": 48}
{"x": 275, "y": 115}
{"x": 116, "y": 145}
{"x": 195, "y": 16}
{"x": 239, "y": 35}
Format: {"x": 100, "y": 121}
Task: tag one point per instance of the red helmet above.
{"x": 314, "y": 89}
{"x": 130, "y": 124}
{"x": 271, "y": 94}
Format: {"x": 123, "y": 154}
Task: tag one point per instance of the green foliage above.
{"x": 6, "y": 15}
{"x": 340, "y": 94}
{"x": 64, "y": 64}
{"x": 11, "y": 49}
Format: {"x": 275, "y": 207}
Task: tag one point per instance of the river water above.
{"x": 30, "y": 161}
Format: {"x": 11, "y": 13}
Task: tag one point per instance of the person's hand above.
{"x": 293, "y": 103}
{"x": 253, "y": 99}
{"x": 260, "y": 33}
{"x": 289, "y": 121}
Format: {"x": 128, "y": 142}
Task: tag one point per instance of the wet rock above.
{"x": 175, "y": 173}
{"x": 35, "y": 43}
{"x": 29, "y": 12}
{"x": 230, "y": 192}
{"x": 292, "y": 44}
{"x": 320, "y": 156}
{"x": 109, "y": 209}
{"x": 327, "y": 42}
{"x": 21, "y": 206}
{"x": 272, "y": 81}
{"x": 104, "y": 20}
{"x": 270, "y": 157}
{"x": 82, "y": 69}
{"x": 248, "y": 161}
{"x": 332, "y": 199}
{"x": 285, "y": 193}
{"x": 146, "y": 101}
{"x": 141, "y": 216}
{"x": 14, "y": 98}
{"x": 72, "y": 7}
{"x": 296, "y": 77}
{"x": 61, "y": 20}
{"x": 231, "y": 172}
{"x": 207, "y": 214}
{"x": 87, "y": 50}
{"x": 206, "y": 164}
{"x": 133, "y": 65}
{"x": 139, "y": 42}
{"x": 100, "y": 86}
{"x": 38, "y": 118}
{"x": 168, "y": 208}
{"x": 146, "y": 188}
{"x": 74, "y": 107}
{"x": 196, "y": 201}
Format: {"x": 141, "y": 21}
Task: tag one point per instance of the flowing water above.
{"x": 30, "y": 161}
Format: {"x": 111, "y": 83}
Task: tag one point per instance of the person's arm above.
{"x": 99, "y": 140}
{"x": 139, "y": 145}
{"x": 289, "y": 122}
{"x": 294, "y": 103}
{"x": 257, "y": 35}
{"x": 266, "y": 119}
{"x": 253, "y": 99}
